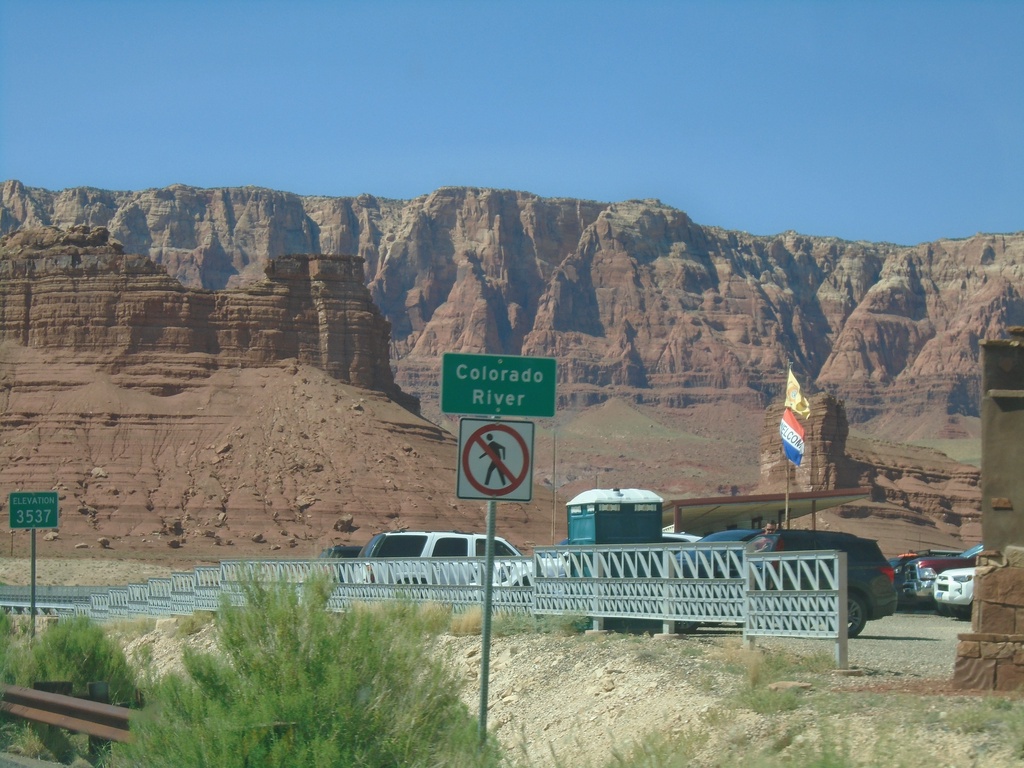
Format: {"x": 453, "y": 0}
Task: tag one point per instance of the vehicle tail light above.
{"x": 888, "y": 571}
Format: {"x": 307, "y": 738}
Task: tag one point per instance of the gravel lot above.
{"x": 576, "y": 701}
{"x": 919, "y": 645}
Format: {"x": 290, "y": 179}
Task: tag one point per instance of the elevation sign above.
{"x": 497, "y": 385}
{"x": 495, "y": 460}
{"x": 33, "y": 509}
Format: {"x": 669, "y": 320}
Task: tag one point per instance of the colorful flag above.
{"x": 792, "y": 437}
{"x": 795, "y": 399}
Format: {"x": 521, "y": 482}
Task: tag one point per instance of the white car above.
{"x": 954, "y": 592}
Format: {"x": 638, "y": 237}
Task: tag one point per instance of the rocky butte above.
{"x": 672, "y": 338}
{"x": 265, "y": 415}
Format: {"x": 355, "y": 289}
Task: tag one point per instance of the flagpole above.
{"x": 791, "y": 430}
{"x": 786, "y": 520}
{"x": 785, "y": 460}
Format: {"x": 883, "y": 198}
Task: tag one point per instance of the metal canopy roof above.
{"x": 703, "y": 516}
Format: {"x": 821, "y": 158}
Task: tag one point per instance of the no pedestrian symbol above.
{"x": 495, "y": 460}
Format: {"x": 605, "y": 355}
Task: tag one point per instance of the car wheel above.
{"x": 942, "y": 609}
{"x": 856, "y": 615}
{"x": 963, "y": 612}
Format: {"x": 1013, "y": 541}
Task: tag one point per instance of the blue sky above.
{"x": 882, "y": 121}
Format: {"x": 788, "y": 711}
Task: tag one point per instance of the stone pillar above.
{"x": 992, "y": 655}
{"x": 825, "y": 433}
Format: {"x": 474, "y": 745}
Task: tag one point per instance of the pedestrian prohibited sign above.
{"x": 495, "y": 460}
{"x": 33, "y": 509}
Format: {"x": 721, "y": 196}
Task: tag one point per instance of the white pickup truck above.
{"x": 442, "y": 557}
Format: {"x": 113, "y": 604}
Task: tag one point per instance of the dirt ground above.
{"x": 580, "y": 700}
{"x": 83, "y": 571}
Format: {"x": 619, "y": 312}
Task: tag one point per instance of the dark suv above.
{"x": 869, "y": 576}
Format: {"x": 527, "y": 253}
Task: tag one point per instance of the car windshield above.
{"x": 973, "y": 551}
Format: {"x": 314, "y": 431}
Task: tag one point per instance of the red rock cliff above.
{"x": 77, "y": 291}
{"x": 634, "y": 298}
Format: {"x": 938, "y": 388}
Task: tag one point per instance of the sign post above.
{"x": 485, "y": 630}
{"x": 33, "y": 510}
{"x": 495, "y": 457}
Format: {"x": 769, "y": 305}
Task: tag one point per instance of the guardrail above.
{"x": 798, "y": 594}
{"x": 98, "y": 720}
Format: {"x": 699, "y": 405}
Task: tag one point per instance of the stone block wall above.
{"x": 991, "y": 656}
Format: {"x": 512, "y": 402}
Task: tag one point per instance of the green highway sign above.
{"x": 33, "y": 509}
{"x": 497, "y": 385}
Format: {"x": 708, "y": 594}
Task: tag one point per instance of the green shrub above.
{"x": 6, "y": 640}
{"x": 194, "y": 623}
{"x": 296, "y": 684}
{"x": 507, "y": 624}
{"x": 766, "y": 701}
{"x": 565, "y": 624}
{"x": 79, "y": 651}
{"x": 659, "y": 751}
{"x": 22, "y": 738}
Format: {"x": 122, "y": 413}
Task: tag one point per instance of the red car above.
{"x": 918, "y": 576}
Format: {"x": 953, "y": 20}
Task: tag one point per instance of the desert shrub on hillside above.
{"x": 296, "y": 684}
{"x": 6, "y": 638}
{"x": 75, "y": 650}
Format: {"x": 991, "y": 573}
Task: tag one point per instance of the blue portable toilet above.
{"x": 616, "y": 516}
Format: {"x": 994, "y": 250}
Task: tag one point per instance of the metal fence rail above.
{"x": 798, "y": 594}
{"x": 49, "y": 600}
{"x": 685, "y": 583}
{"x": 458, "y": 583}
